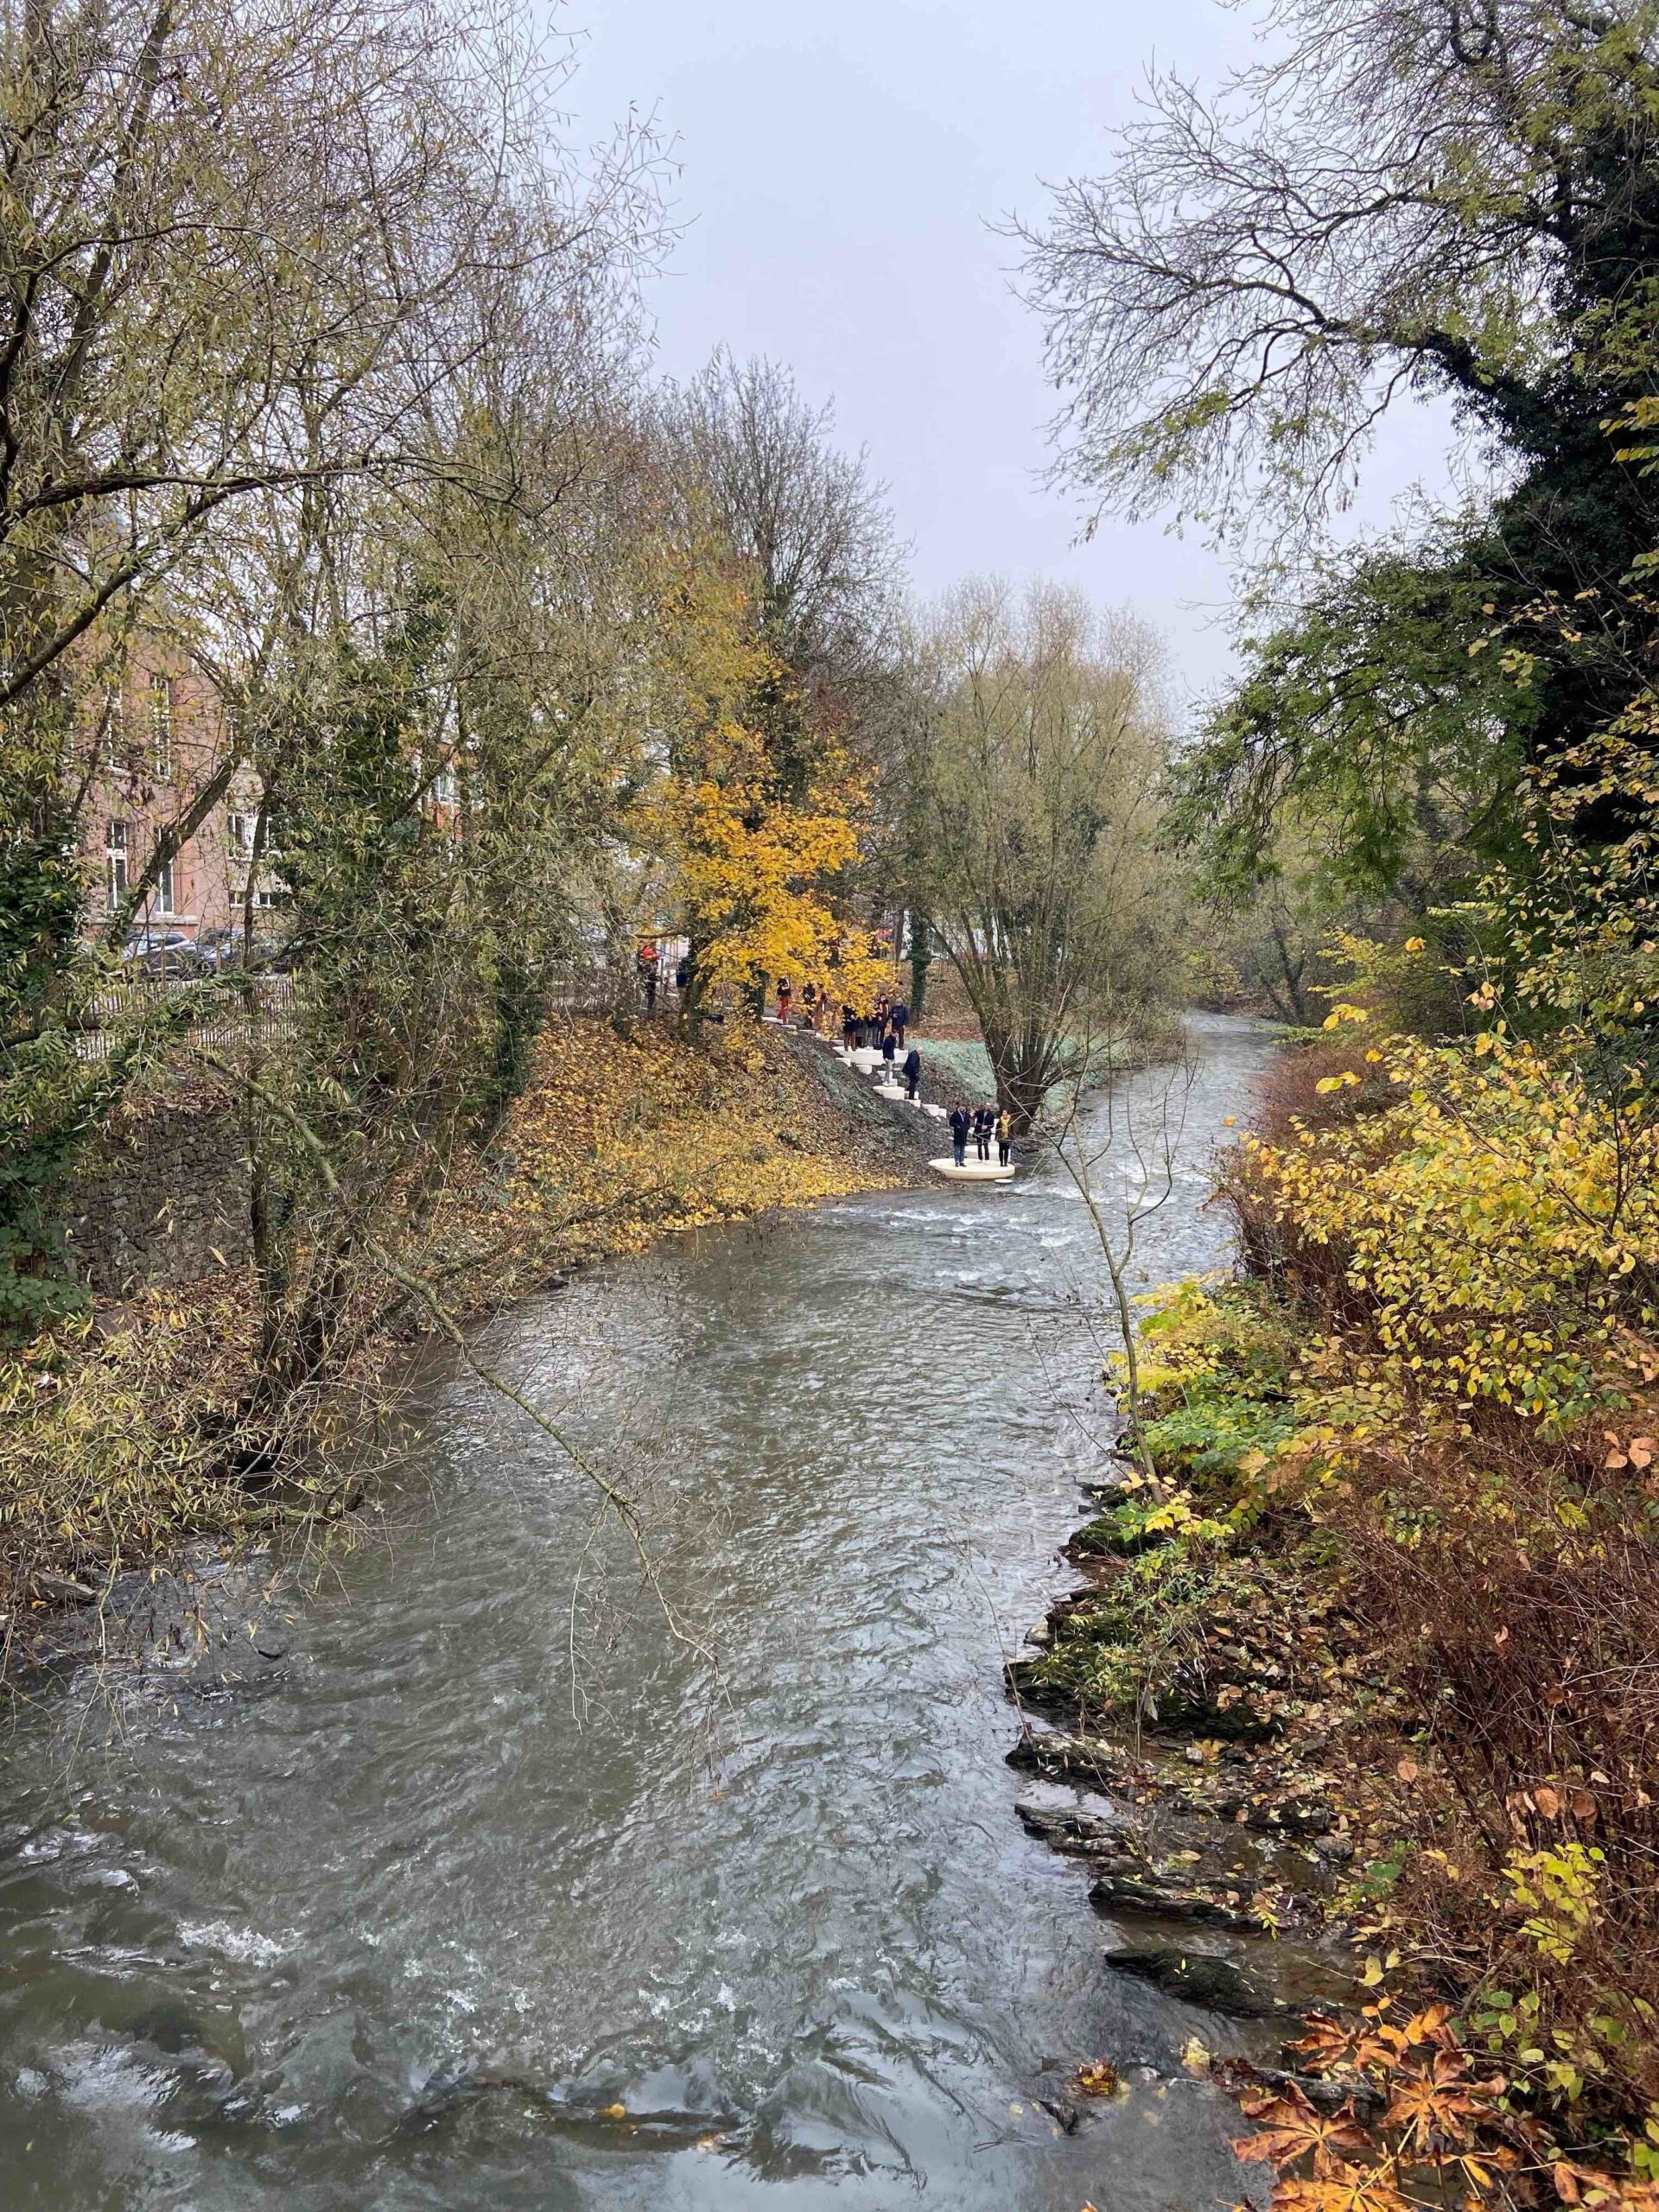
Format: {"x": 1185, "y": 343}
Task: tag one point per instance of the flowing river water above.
{"x": 395, "y": 1903}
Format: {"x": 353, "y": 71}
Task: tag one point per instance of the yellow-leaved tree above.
{"x": 750, "y": 829}
{"x": 753, "y": 872}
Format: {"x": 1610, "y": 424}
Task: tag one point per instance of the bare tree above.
{"x": 251, "y": 254}
{"x": 1404, "y": 196}
{"x": 284, "y": 290}
{"x": 1133, "y": 1140}
{"x": 809, "y": 517}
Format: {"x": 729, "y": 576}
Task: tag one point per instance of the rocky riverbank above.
{"x": 1212, "y": 1732}
{"x": 1209, "y": 1829}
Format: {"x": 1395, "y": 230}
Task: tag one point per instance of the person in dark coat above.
{"x": 849, "y": 1026}
{"x": 912, "y": 1073}
{"x": 889, "y": 1053}
{"x": 961, "y": 1121}
{"x": 900, "y": 1020}
{"x": 984, "y": 1122}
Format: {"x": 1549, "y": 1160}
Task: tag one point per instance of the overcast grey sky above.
{"x": 841, "y": 166}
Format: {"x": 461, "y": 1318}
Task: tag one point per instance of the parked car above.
{"x": 221, "y": 948}
{"x": 162, "y": 952}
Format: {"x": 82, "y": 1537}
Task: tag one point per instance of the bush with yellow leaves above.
{"x": 1495, "y": 1224}
{"x": 122, "y": 1427}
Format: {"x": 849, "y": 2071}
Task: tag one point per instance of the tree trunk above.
{"x": 921, "y": 959}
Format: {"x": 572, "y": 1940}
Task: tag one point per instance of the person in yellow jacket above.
{"x": 1004, "y": 1138}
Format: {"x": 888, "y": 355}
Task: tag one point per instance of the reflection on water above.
{"x": 479, "y": 1849}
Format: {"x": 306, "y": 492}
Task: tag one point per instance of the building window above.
{"x": 161, "y": 727}
{"x": 238, "y": 834}
{"x": 164, "y": 888}
{"x": 113, "y": 746}
{"x": 114, "y": 864}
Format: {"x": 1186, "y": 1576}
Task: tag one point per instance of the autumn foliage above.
{"x": 1409, "y": 2116}
{"x": 750, "y": 868}
{"x": 1429, "y": 1420}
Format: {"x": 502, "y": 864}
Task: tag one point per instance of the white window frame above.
{"x": 116, "y": 879}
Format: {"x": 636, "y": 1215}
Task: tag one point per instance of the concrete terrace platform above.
{"x": 972, "y": 1171}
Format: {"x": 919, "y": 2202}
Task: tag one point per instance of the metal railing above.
{"x": 260, "y": 1010}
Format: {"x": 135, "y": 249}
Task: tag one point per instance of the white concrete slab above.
{"x": 972, "y": 1171}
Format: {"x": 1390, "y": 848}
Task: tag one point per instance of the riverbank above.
{"x": 127, "y": 1431}
{"x": 1389, "y": 1619}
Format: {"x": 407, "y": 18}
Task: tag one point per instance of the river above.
{"x": 395, "y": 1904}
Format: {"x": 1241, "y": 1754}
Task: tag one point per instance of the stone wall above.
{"x": 163, "y": 1198}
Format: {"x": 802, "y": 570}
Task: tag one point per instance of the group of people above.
{"x": 981, "y": 1124}
{"x": 883, "y": 1029}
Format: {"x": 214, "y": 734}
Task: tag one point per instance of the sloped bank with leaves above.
{"x": 129, "y": 1426}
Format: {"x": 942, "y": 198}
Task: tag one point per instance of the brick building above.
{"x": 160, "y": 735}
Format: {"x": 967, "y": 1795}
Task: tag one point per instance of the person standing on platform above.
{"x": 984, "y": 1122}
{"x": 900, "y": 1021}
{"x": 961, "y": 1123}
{"x": 913, "y": 1074}
{"x": 889, "y": 1053}
{"x": 1004, "y": 1138}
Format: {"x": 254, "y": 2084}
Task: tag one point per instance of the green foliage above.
{"x": 1216, "y": 1399}
{"x": 1364, "y": 754}
{"x": 1125, "y": 1652}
